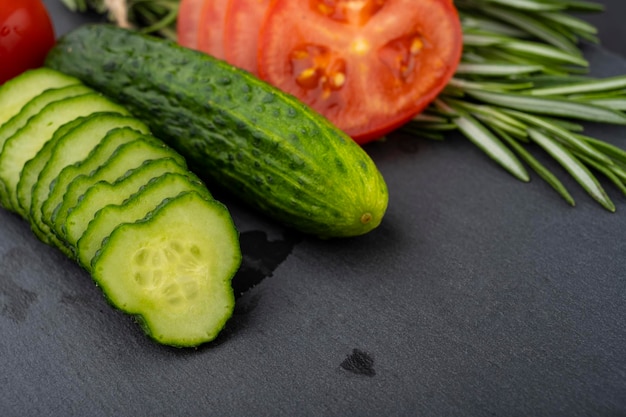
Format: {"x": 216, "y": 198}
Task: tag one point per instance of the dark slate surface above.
{"x": 478, "y": 296}
{"x": 610, "y": 23}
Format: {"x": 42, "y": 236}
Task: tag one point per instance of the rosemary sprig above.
{"x": 534, "y": 44}
{"x": 149, "y": 16}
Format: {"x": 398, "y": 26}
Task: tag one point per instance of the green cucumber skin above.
{"x": 102, "y": 152}
{"x": 17, "y": 92}
{"x": 32, "y": 169}
{"x": 124, "y": 159}
{"x": 36, "y": 105}
{"x": 31, "y": 138}
{"x": 72, "y": 148}
{"x": 104, "y": 194}
{"x": 265, "y": 146}
{"x": 136, "y": 208}
{"x": 60, "y": 157}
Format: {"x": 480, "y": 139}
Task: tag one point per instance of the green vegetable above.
{"x": 135, "y": 208}
{"x": 105, "y": 194}
{"x": 184, "y": 239}
{"x": 166, "y": 250}
{"x": 26, "y": 142}
{"x": 61, "y": 151}
{"x": 15, "y": 93}
{"x": 24, "y": 192}
{"x": 126, "y": 157}
{"x": 263, "y": 145}
{"x": 37, "y": 105}
{"x": 113, "y": 141}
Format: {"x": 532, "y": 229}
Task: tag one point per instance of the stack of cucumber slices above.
{"x": 92, "y": 180}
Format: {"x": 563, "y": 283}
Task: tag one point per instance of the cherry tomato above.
{"x": 367, "y": 65}
{"x": 241, "y": 32}
{"x": 26, "y": 36}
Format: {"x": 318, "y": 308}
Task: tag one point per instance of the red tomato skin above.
{"x": 371, "y": 103}
{"x": 26, "y": 36}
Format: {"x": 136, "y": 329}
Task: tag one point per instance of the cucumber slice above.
{"x": 26, "y": 142}
{"x": 36, "y": 165}
{"x": 126, "y": 158}
{"x": 33, "y": 167}
{"x": 103, "y": 194}
{"x": 69, "y": 149}
{"x": 15, "y": 93}
{"x": 111, "y": 142}
{"x": 136, "y": 208}
{"x": 173, "y": 270}
{"x": 35, "y": 105}
{"x": 94, "y": 182}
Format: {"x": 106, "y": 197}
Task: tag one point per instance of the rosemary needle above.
{"x": 150, "y": 16}
{"x": 508, "y": 45}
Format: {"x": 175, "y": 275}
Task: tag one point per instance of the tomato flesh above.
{"x": 241, "y": 32}
{"x": 211, "y": 28}
{"x": 188, "y": 22}
{"x": 367, "y": 65}
{"x": 26, "y": 36}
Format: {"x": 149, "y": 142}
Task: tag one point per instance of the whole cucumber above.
{"x": 263, "y": 145}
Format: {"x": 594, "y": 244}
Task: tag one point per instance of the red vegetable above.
{"x": 241, "y": 32}
{"x": 367, "y": 65}
{"x": 188, "y": 22}
{"x": 26, "y": 36}
{"x": 211, "y": 28}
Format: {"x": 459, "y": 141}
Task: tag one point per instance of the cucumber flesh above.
{"x": 103, "y": 151}
{"x": 26, "y": 142}
{"x": 103, "y": 194}
{"x": 15, "y": 93}
{"x": 67, "y": 150}
{"x": 34, "y": 106}
{"x": 33, "y": 167}
{"x": 127, "y": 157}
{"x": 173, "y": 270}
{"x": 136, "y": 208}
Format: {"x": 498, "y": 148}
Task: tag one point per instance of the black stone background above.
{"x": 478, "y": 296}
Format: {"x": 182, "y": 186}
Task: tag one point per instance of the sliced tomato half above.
{"x": 211, "y": 27}
{"x": 188, "y": 22}
{"x": 367, "y": 65}
{"x": 241, "y": 32}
